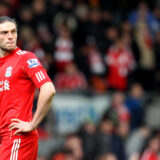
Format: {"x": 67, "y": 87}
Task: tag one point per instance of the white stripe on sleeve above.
{"x": 37, "y": 77}
{"x": 40, "y": 76}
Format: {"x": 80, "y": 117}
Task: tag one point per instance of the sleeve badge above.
{"x": 33, "y": 63}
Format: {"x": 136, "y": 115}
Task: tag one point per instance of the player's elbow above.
{"x": 48, "y": 89}
{"x": 51, "y": 91}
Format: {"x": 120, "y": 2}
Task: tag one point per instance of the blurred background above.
{"x": 104, "y": 59}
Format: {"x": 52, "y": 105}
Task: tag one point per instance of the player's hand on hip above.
{"x": 20, "y": 126}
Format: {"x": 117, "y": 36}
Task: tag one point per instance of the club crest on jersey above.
{"x": 8, "y": 72}
{"x": 33, "y": 63}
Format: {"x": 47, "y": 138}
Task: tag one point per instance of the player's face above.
{"x": 8, "y": 36}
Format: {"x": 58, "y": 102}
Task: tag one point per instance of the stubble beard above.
{"x": 8, "y": 49}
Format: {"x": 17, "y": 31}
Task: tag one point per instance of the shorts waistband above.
{"x": 11, "y": 135}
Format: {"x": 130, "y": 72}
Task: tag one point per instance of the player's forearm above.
{"x": 46, "y": 94}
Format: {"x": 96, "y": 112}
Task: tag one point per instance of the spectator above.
{"x": 107, "y": 156}
{"x": 135, "y": 105}
{"x": 25, "y": 16}
{"x": 87, "y": 135}
{"x": 71, "y": 150}
{"x": 153, "y": 148}
{"x": 118, "y": 145}
{"x": 95, "y": 60}
{"x": 118, "y": 111}
{"x": 67, "y": 155}
{"x": 70, "y": 80}
{"x": 74, "y": 144}
{"x": 120, "y": 62}
{"x": 95, "y": 27}
{"x": 144, "y": 13}
{"x": 144, "y": 40}
{"x": 126, "y": 27}
{"x": 81, "y": 59}
{"x": 82, "y": 13}
{"x": 63, "y": 54}
{"x": 32, "y": 43}
{"x": 40, "y": 12}
{"x": 96, "y": 67}
{"x": 156, "y": 12}
{"x": 135, "y": 142}
{"x": 4, "y": 8}
{"x": 41, "y": 158}
{"x": 118, "y": 104}
{"x": 104, "y": 137}
{"x": 109, "y": 37}
{"x": 54, "y": 6}
{"x": 46, "y": 38}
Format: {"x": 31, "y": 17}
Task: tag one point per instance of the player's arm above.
{"x": 33, "y": 69}
{"x": 46, "y": 94}
{"x": 47, "y": 91}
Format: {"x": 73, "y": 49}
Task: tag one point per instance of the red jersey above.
{"x": 149, "y": 155}
{"x": 73, "y": 82}
{"x": 120, "y": 63}
{"x": 20, "y": 73}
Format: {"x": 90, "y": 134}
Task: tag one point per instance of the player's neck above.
{"x": 4, "y": 53}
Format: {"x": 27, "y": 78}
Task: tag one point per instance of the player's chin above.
{"x": 9, "y": 48}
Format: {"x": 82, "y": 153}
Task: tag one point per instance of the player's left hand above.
{"x": 20, "y": 126}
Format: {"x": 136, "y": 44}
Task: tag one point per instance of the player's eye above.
{"x": 14, "y": 31}
{"x": 4, "y": 32}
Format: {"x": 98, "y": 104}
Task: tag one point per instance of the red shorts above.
{"x": 19, "y": 148}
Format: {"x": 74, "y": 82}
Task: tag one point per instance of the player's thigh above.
{"x": 28, "y": 149}
{"x": 19, "y": 149}
{"x": 5, "y": 150}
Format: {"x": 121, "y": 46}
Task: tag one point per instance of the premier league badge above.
{"x": 33, "y": 63}
{"x": 8, "y": 72}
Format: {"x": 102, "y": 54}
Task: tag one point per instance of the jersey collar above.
{"x": 8, "y": 55}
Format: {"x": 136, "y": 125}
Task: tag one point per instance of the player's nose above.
{"x": 10, "y": 35}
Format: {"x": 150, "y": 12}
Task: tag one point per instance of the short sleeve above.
{"x": 34, "y": 69}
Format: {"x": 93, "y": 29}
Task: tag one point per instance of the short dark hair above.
{"x": 7, "y": 19}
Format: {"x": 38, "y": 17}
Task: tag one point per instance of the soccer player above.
{"x": 20, "y": 73}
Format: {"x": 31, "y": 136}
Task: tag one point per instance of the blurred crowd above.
{"x": 121, "y": 134}
{"x": 96, "y": 46}
{"x": 91, "y": 45}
